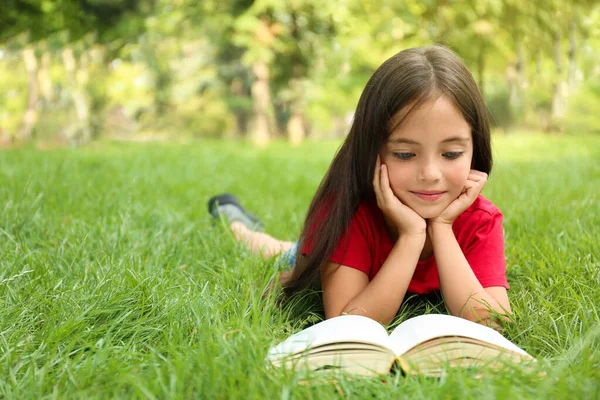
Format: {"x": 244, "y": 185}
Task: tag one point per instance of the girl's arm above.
{"x": 348, "y": 290}
{"x": 463, "y": 294}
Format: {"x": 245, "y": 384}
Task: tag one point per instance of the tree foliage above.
{"x": 203, "y": 57}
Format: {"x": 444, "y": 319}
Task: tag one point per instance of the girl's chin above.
{"x": 426, "y": 211}
{"x": 429, "y": 215}
{"x": 429, "y": 212}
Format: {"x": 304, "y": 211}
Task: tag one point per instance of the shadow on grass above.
{"x": 306, "y": 308}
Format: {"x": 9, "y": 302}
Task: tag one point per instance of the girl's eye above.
{"x": 404, "y": 156}
{"x": 452, "y": 155}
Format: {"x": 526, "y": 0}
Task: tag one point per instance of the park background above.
{"x": 75, "y": 71}
{"x": 120, "y": 118}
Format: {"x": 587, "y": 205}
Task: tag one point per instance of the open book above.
{"x": 423, "y": 345}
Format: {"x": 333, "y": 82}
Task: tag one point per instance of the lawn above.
{"x": 115, "y": 283}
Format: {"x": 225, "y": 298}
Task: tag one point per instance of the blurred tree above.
{"x": 296, "y": 66}
{"x": 561, "y": 21}
{"x": 216, "y": 20}
{"x": 24, "y": 23}
{"x": 515, "y": 20}
{"x": 276, "y": 43}
{"x": 112, "y": 24}
{"x": 29, "y": 22}
{"x": 257, "y": 33}
{"x": 305, "y": 27}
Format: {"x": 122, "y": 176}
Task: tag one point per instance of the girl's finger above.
{"x": 377, "y": 184}
{"x": 376, "y": 172}
{"x": 471, "y": 183}
{"x": 385, "y": 182}
{"x": 477, "y": 175}
{"x": 473, "y": 189}
{"x": 376, "y": 175}
{"x": 476, "y": 172}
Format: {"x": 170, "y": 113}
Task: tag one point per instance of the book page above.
{"x": 426, "y": 327}
{"x": 345, "y": 328}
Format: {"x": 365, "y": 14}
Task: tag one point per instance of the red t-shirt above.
{"x": 478, "y": 231}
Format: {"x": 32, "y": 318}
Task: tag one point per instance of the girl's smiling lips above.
{"x": 429, "y": 195}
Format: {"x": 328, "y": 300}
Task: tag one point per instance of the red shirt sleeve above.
{"x": 485, "y": 249}
{"x": 354, "y": 249}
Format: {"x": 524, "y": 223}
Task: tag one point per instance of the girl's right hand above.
{"x": 406, "y": 220}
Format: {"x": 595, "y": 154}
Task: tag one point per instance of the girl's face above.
{"x": 429, "y": 156}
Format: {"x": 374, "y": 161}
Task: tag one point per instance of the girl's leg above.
{"x": 244, "y": 226}
{"x": 259, "y": 242}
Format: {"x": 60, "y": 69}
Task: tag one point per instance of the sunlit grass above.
{"x": 115, "y": 283}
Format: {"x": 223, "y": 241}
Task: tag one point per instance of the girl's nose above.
{"x": 429, "y": 172}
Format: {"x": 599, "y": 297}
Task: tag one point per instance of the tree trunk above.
{"x": 261, "y": 97}
{"x": 295, "y": 128}
{"x": 78, "y": 78}
{"x": 31, "y": 117}
{"x": 239, "y": 90}
{"x": 80, "y": 97}
{"x": 241, "y": 124}
{"x": 516, "y": 84}
{"x": 572, "y": 63}
{"x": 561, "y": 88}
{"x": 519, "y": 65}
{"x": 163, "y": 79}
{"x": 45, "y": 79}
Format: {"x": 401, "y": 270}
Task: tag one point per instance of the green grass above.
{"x": 114, "y": 283}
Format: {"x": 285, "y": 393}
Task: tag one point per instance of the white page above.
{"x": 426, "y": 327}
{"x": 345, "y": 328}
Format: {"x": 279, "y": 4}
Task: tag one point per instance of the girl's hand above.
{"x": 407, "y": 221}
{"x": 475, "y": 183}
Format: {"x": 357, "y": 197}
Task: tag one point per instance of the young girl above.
{"x": 399, "y": 210}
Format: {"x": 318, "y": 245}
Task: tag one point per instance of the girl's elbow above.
{"x": 336, "y": 310}
{"x": 381, "y": 317}
{"x": 487, "y": 317}
{"x": 333, "y": 313}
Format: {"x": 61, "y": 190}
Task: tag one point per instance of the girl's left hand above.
{"x": 475, "y": 183}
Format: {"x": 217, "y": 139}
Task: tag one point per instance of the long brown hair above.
{"x": 409, "y": 78}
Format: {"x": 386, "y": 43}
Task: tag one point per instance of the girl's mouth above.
{"x": 429, "y": 195}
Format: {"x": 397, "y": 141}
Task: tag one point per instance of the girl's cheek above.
{"x": 384, "y": 156}
{"x": 460, "y": 175}
{"x": 392, "y": 177}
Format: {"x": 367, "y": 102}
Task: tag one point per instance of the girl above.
{"x": 399, "y": 210}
